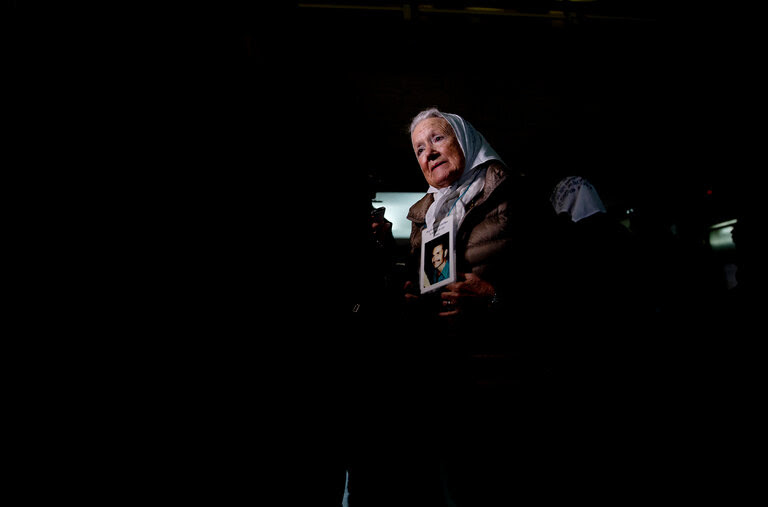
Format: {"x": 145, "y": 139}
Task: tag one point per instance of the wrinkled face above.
{"x": 438, "y": 151}
{"x": 438, "y": 256}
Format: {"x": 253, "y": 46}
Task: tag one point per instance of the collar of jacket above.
{"x": 494, "y": 177}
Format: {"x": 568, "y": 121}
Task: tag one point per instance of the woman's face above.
{"x": 439, "y": 153}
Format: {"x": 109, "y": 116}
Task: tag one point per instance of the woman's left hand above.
{"x": 470, "y": 290}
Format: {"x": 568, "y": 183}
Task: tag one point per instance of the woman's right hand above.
{"x": 409, "y": 288}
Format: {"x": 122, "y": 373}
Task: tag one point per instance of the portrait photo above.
{"x": 437, "y": 266}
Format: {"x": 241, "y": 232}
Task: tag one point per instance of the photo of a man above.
{"x": 440, "y": 262}
{"x": 437, "y": 266}
{"x": 437, "y": 261}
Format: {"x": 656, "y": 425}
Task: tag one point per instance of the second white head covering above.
{"x": 577, "y": 197}
{"x": 477, "y": 151}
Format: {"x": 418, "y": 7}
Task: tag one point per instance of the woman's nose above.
{"x": 433, "y": 154}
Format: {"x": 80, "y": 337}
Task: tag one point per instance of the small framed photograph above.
{"x": 437, "y": 252}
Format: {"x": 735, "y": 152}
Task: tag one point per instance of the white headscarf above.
{"x": 477, "y": 151}
{"x": 577, "y": 197}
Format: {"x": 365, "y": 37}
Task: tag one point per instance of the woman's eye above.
{"x": 438, "y": 138}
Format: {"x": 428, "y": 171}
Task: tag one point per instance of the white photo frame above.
{"x": 435, "y": 246}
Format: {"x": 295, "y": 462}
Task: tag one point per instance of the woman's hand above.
{"x": 381, "y": 229}
{"x": 469, "y": 291}
{"x": 409, "y": 289}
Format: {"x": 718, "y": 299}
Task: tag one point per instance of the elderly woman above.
{"x": 473, "y": 193}
{"x": 477, "y": 330}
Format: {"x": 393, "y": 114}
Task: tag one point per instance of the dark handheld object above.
{"x": 378, "y": 213}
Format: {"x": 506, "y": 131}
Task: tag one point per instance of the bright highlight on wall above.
{"x": 397, "y": 204}
{"x": 720, "y": 235}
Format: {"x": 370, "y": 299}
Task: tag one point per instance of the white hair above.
{"x": 431, "y": 112}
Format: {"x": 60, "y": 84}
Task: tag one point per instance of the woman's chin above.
{"x": 442, "y": 179}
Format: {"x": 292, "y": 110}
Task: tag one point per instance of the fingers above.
{"x": 464, "y": 281}
{"x": 409, "y": 291}
{"x": 471, "y": 285}
{"x": 449, "y": 304}
{"x": 381, "y": 224}
{"x": 449, "y": 295}
{"x": 464, "y": 294}
{"x": 454, "y": 287}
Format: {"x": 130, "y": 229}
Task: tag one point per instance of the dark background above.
{"x": 188, "y": 120}
{"x": 658, "y": 104}
{"x": 173, "y": 149}
{"x": 243, "y": 126}
{"x": 650, "y": 101}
